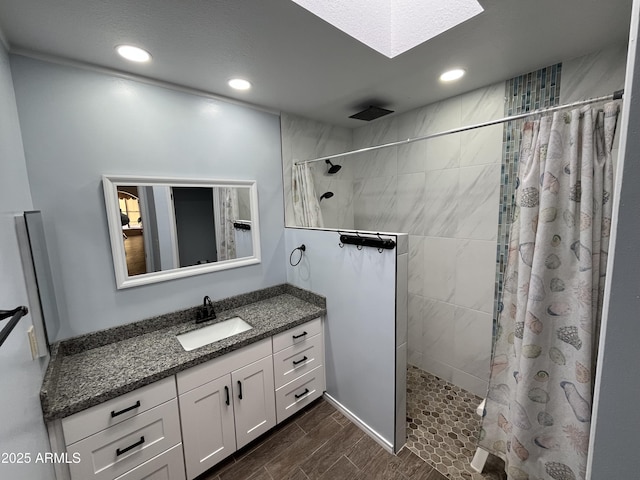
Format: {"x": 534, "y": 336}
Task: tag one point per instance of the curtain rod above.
{"x": 617, "y": 95}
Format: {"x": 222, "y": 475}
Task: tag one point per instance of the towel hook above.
{"x": 302, "y": 248}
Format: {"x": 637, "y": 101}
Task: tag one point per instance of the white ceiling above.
{"x": 300, "y": 64}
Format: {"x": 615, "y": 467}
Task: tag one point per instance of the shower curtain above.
{"x": 306, "y": 206}
{"x": 225, "y": 203}
{"x": 538, "y": 408}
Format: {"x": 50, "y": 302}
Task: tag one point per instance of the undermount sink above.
{"x": 212, "y": 333}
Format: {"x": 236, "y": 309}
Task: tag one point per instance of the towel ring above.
{"x": 302, "y": 248}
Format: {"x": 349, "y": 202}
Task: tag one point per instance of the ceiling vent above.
{"x": 371, "y": 113}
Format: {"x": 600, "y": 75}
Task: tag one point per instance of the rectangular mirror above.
{"x": 166, "y": 228}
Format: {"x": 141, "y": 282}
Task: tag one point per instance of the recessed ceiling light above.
{"x": 134, "y": 54}
{"x": 452, "y": 75}
{"x": 239, "y": 84}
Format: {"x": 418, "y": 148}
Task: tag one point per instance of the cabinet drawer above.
{"x": 110, "y": 413}
{"x": 297, "y": 360}
{"x": 166, "y": 466}
{"x": 216, "y": 368}
{"x": 116, "y": 450}
{"x": 308, "y": 387}
{"x": 297, "y": 335}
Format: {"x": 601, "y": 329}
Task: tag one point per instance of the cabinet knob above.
{"x": 239, "y": 389}
{"x": 295, "y": 337}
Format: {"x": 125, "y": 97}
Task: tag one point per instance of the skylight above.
{"x": 392, "y": 27}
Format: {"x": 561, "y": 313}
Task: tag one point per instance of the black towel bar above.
{"x": 16, "y": 314}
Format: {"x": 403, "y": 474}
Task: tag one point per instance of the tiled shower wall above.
{"x": 445, "y": 193}
{"x": 303, "y": 139}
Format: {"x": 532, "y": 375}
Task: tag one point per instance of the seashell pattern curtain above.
{"x": 538, "y": 408}
{"x": 306, "y": 206}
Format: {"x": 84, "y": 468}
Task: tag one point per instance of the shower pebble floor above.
{"x": 443, "y": 427}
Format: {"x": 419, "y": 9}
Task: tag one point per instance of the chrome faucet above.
{"x": 206, "y": 312}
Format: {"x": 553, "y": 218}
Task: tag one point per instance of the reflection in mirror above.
{"x": 162, "y": 228}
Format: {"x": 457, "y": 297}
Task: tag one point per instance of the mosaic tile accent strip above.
{"x": 539, "y": 89}
{"x": 443, "y": 427}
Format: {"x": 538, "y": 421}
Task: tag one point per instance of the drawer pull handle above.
{"x": 239, "y": 389}
{"x": 306, "y": 390}
{"x": 303, "y": 359}
{"x": 295, "y": 337}
{"x": 126, "y": 449}
{"x": 115, "y": 414}
{"x": 226, "y": 390}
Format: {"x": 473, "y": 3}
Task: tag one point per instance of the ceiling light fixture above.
{"x": 452, "y": 75}
{"x": 133, "y": 54}
{"x": 239, "y": 84}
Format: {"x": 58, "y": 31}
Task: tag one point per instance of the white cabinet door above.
{"x": 207, "y": 425}
{"x": 253, "y": 400}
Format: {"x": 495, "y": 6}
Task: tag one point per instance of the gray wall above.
{"x": 22, "y": 428}
{"x": 616, "y": 421}
{"x": 360, "y": 323}
{"x": 79, "y": 124}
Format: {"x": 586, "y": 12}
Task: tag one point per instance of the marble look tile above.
{"x": 416, "y": 313}
{"x": 414, "y": 358}
{"x": 472, "y": 384}
{"x": 438, "y": 330}
{"x": 475, "y": 267}
{"x": 483, "y": 104}
{"x": 402, "y": 298}
{"x": 472, "y": 342}
{"x": 337, "y": 211}
{"x": 440, "y": 255}
{"x": 378, "y": 163}
{"x": 441, "y": 199}
{"x": 374, "y": 204}
{"x": 412, "y": 157}
{"x": 416, "y": 264}
{"x": 594, "y": 75}
{"x": 437, "y": 368}
{"x": 402, "y": 243}
{"x": 481, "y": 146}
{"x": 303, "y": 139}
{"x": 477, "y": 208}
{"x": 443, "y": 152}
{"x": 441, "y": 116}
{"x": 411, "y": 203}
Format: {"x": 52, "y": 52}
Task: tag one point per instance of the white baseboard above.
{"x": 359, "y": 423}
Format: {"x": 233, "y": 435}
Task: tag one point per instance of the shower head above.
{"x": 326, "y": 195}
{"x": 333, "y": 168}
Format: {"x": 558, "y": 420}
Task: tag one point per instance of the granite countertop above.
{"x": 91, "y": 369}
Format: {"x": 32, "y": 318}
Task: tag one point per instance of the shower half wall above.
{"x": 445, "y": 193}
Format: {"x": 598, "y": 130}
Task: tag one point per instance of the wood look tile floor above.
{"x": 319, "y": 443}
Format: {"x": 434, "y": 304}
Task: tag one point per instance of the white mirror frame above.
{"x": 123, "y": 280}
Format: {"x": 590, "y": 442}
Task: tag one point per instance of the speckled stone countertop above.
{"x": 91, "y": 369}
